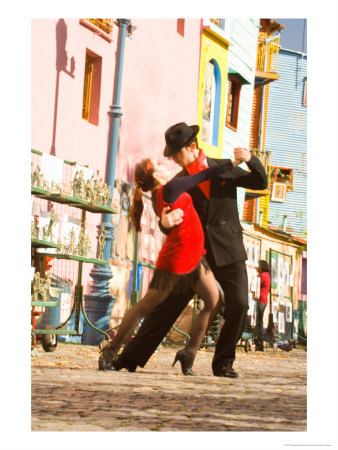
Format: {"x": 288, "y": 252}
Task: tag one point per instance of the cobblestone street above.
{"x": 70, "y": 394}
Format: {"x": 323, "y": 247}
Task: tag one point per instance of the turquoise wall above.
{"x": 243, "y": 36}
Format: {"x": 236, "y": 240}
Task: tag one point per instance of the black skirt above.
{"x": 177, "y": 283}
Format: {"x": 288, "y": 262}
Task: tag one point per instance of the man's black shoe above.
{"x": 226, "y": 371}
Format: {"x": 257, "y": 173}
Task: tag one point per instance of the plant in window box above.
{"x": 280, "y": 175}
{"x": 37, "y": 178}
{"x": 35, "y": 227}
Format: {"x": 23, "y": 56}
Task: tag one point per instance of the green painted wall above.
{"x": 243, "y": 35}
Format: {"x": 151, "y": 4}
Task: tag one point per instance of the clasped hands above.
{"x": 241, "y": 154}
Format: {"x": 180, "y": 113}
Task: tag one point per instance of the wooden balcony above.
{"x": 105, "y": 25}
{"x": 267, "y": 58}
{"x": 216, "y": 21}
{"x": 102, "y": 27}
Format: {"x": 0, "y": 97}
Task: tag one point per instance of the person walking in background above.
{"x": 265, "y": 282}
{"x": 180, "y": 264}
{"x": 216, "y": 204}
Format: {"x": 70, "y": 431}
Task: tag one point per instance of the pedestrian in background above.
{"x": 265, "y": 282}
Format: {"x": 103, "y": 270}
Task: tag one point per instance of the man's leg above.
{"x": 153, "y": 330}
{"x": 260, "y": 329}
{"x": 234, "y": 282}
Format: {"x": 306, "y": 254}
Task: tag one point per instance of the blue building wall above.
{"x": 286, "y": 138}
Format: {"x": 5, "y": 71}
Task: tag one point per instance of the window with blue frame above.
{"x": 211, "y": 103}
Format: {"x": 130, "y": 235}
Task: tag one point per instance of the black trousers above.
{"x": 234, "y": 282}
{"x": 260, "y": 329}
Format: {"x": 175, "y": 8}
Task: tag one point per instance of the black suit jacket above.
{"x": 219, "y": 215}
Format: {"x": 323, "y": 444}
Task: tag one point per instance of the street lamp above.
{"x": 100, "y": 299}
{"x": 115, "y": 114}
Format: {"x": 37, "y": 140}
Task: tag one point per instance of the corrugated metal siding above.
{"x": 266, "y": 109}
{"x": 255, "y": 117}
{"x": 248, "y": 210}
{"x": 286, "y": 138}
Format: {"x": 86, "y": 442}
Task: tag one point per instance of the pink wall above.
{"x": 159, "y": 88}
{"x": 75, "y": 138}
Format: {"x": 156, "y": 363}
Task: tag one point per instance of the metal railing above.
{"x": 267, "y": 54}
{"x": 105, "y": 25}
{"x": 264, "y": 156}
{"x": 216, "y": 21}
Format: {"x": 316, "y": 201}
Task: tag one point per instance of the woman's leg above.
{"x": 206, "y": 288}
{"x": 132, "y": 317}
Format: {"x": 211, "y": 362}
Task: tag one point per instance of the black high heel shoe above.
{"x": 186, "y": 362}
{"x": 107, "y": 357}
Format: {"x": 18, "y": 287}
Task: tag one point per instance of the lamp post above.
{"x": 115, "y": 114}
{"x": 100, "y": 301}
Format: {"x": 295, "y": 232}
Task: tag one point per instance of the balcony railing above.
{"x": 267, "y": 54}
{"x": 264, "y": 156}
{"x": 105, "y": 25}
{"x": 216, "y": 21}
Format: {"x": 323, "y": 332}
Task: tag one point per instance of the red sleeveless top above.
{"x": 184, "y": 246}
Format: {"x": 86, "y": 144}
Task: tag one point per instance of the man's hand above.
{"x": 170, "y": 219}
{"x": 241, "y": 154}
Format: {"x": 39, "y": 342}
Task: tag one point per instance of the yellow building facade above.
{"x": 212, "y": 90}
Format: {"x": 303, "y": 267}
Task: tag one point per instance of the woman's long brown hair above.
{"x": 144, "y": 181}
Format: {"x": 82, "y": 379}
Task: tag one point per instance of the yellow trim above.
{"x": 213, "y": 48}
{"x": 87, "y": 88}
{"x": 217, "y": 38}
{"x": 264, "y": 202}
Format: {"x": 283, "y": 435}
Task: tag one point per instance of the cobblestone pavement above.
{"x": 70, "y": 394}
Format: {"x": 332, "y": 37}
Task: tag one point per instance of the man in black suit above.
{"x": 216, "y": 205}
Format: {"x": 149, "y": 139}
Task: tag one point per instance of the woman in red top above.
{"x": 264, "y": 271}
{"x": 180, "y": 261}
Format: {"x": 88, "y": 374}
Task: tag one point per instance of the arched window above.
{"x": 211, "y": 103}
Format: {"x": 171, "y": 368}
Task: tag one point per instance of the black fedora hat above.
{"x": 177, "y": 136}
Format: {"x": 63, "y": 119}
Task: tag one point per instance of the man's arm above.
{"x": 170, "y": 219}
{"x": 256, "y": 178}
{"x": 177, "y": 185}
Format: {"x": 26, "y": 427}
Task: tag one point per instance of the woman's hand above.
{"x": 171, "y": 218}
